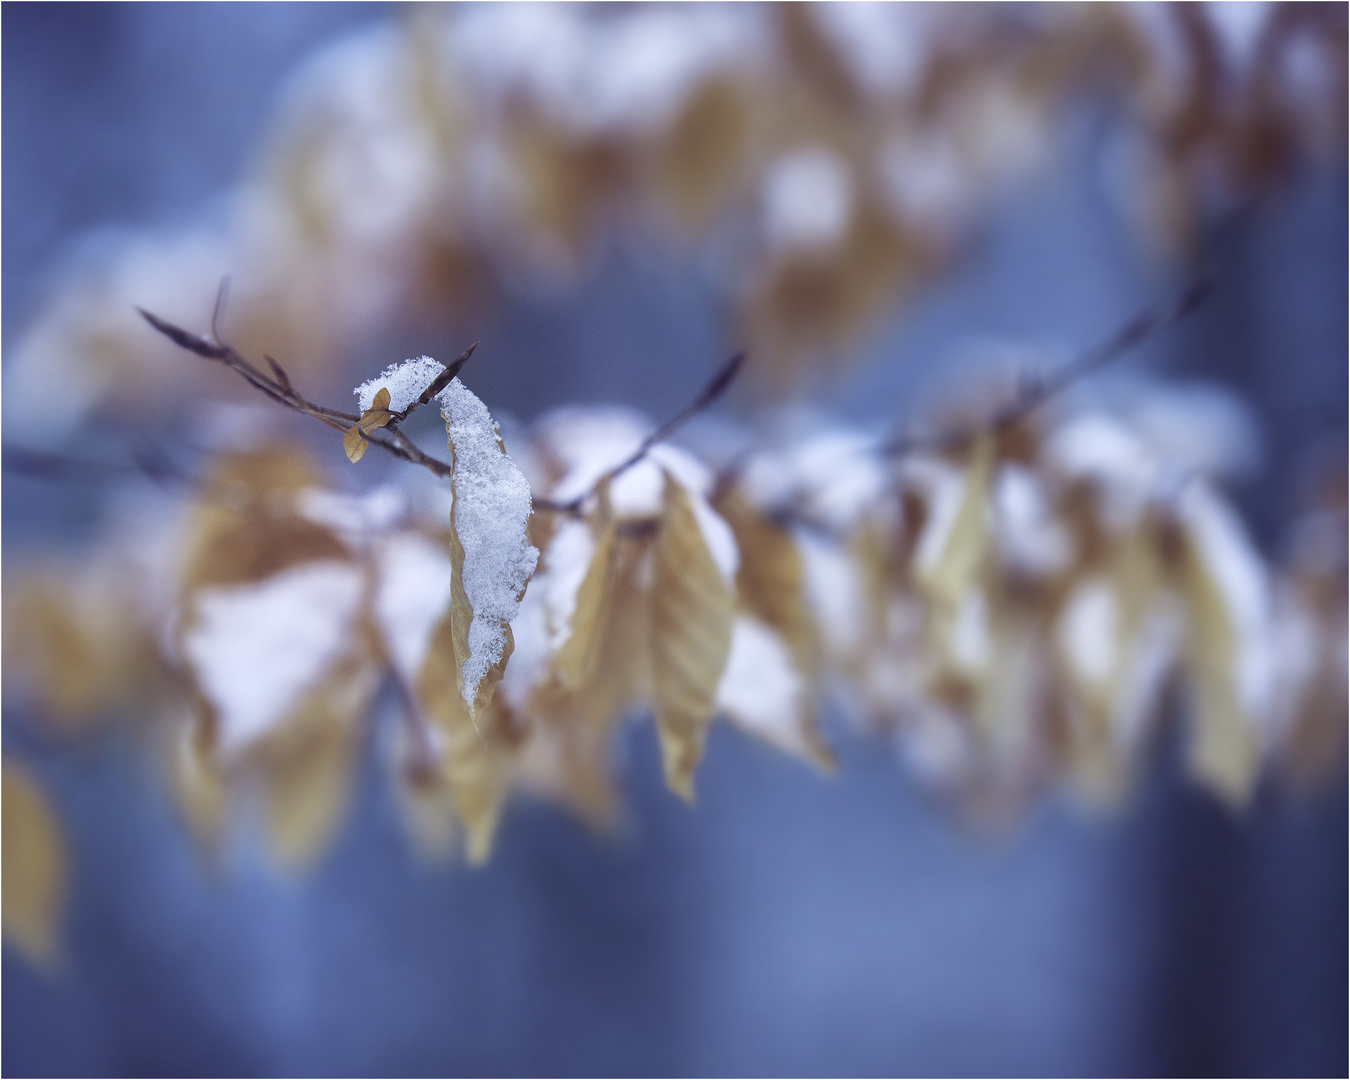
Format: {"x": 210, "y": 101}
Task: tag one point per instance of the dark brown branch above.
{"x": 1039, "y": 389}
{"x": 715, "y": 388}
{"x": 439, "y": 383}
{"x": 280, "y": 389}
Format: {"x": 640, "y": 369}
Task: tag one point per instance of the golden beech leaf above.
{"x": 307, "y": 763}
{"x": 195, "y": 782}
{"x": 354, "y": 443}
{"x": 770, "y": 581}
{"x": 579, "y": 655}
{"x": 949, "y": 577}
{"x": 33, "y": 865}
{"x": 567, "y": 761}
{"x": 476, "y": 763}
{"x": 568, "y": 757}
{"x": 692, "y": 611}
{"x": 477, "y": 751}
{"x": 377, "y": 416}
{"x": 763, "y": 692}
{"x": 1226, "y": 591}
{"x": 77, "y": 641}
{"x": 254, "y": 532}
{"x": 1224, "y": 752}
{"x": 427, "y": 809}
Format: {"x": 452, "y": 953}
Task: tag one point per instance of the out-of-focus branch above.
{"x": 1038, "y": 389}
{"x": 715, "y": 388}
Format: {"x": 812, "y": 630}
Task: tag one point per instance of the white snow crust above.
{"x": 404, "y": 381}
{"x": 257, "y": 649}
{"x": 492, "y": 507}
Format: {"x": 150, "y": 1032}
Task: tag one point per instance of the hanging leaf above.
{"x": 770, "y": 579}
{"x": 692, "y": 611}
{"x": 33, "y": 865}
{"x": 763, "y": 692}
{"x": 489, "y": 547}
{"x": 477, "y": 749}
{"x": 354, "y": 443}
{"x": 579, "y": 655}
{"x": 1218, "y": 581}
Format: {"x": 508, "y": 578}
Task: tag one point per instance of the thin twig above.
{"x": 1034, "y": 393}
{"x": 714, "y": 389}
{"x": 279, "y": 387}
{"x": 439, "y": 383}
{"x": 1039, "y": 389}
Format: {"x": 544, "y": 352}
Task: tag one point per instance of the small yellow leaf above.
{"x": 692, "y": 611}
{"x": 33, "y": 864}
{"x": 378, "y": 415}
{"x": 354, "y": 443}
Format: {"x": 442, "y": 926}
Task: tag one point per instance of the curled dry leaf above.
{"x": 33, "y": 864}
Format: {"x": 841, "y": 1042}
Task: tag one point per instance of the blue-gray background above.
{"x": 788, "y": 925}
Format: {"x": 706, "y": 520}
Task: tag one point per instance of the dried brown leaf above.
{"x": 770, "y": 579}
{"x": 692, "y": 611}
{"x": 1224, "y": 753}
{"x": 577, "y": 659}
{"x": 307, "y": 764}
{"x": 477, "y": 752}
{"x": 33, "y": 865}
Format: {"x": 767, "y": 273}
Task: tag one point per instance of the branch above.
{"x": 1038, "y": 389}
{"x": 279, "y": 388}
{"x": 715, "y": 388}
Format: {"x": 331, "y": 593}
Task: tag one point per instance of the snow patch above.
{"x": 257, "y": 649}
{"x": 492, "y": 508}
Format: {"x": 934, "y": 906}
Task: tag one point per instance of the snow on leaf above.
{"x": 692, "y": 612}
{"x": 256, "y": 649}
{"x": 950, "y": 560}
{"x": 490, "y": 547}
{"x": 762, "y": 692}
{"x": 477, "y": 749}
{"x": 401, "y": 384}
{"x": 577, "y": 658}
{"x": 33, "y": 867}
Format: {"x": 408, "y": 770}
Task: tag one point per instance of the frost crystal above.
{"x": 492, "y": 506}
{"x": 405, "y": 383}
